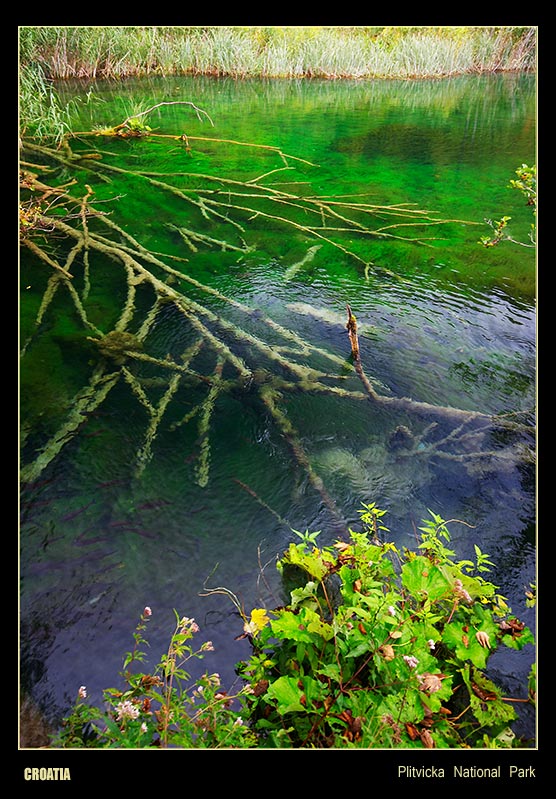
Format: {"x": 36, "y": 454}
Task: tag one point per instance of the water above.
{"x": 133, "y": 512}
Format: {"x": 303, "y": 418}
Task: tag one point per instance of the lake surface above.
{"x": 172, "y": 483}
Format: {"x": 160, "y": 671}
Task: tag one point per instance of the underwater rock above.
{"x": 342, "y": 462}
{"x": 375, "y": 474}
{"x": 365, "y": 478}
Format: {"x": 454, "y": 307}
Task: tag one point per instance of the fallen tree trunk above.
{"x": 260, "y": 364}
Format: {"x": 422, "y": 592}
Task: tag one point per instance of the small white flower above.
{"x": 392, "y": 610}
{"x": 126, "y": 710}
{"x": 411, "y": 661}
{"x": 82, "y": 693}
{"x": 189, "y": 624}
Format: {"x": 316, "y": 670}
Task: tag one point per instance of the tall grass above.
{"x": 290, "y": 52}
{"x": 40, "y": 113}
{"x": 49, "y": 54}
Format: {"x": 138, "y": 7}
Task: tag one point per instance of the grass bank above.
{"x": 273, "y": 52}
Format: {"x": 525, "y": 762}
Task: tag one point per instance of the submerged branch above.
{"x": 271, "y": 399}
{"x": 263, "y": 504}
{"x": 156, "y": 413}
{"x": 205, "y": 413}
{"x": 38, "y": 251}
{"x": 197, "y": 110}
{"x": 215, "y": 204}
{"x": 288, "y": 366}
{"x": 84, "y": 403}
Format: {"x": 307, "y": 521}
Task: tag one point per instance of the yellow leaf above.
{"x": 258, "y": 620}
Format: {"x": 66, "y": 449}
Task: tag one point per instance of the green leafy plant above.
{"x": 526, "y": 183}
{"x": 382, "y": 648}
{"x": 137, "y": 126}
{"x": 376, "y": 647}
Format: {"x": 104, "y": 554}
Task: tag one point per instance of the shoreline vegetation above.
{"x": 49, "y": 56}
{"x": 397, "y": 52}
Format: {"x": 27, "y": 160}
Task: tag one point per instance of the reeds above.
{"x": 287, "y": 52}
{"x": 41, "y": 112}
{"x": 39, "y": 109}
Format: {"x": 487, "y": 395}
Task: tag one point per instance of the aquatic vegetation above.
{"x": 392, "y": 655}
{"x": 232, "y": 348}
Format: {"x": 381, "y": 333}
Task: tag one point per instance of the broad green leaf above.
{"x": 316, "y": 625}
{"x": 303, "y": 626}
{"x": 295, "y": 693}
{"x": 358, "y": 649}
{"x": 313, "y": 563}
{"x": 463, "y": 640}
{"x": 286, "y": 692}
{"x": 307, "y": 592}
{"x": 519, "y": 641}
{"x": 492, "y": 711}
{"x": 288, "y": 626}
{"x": 423, "y": 579}
{"x": 332, "y": 670}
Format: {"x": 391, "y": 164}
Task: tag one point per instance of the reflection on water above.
{"x": 144, "y": 502}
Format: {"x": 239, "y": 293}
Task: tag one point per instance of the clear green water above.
{"x": 451, "y": 324}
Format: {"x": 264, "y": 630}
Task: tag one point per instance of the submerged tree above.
{"x": 67, "y": 222}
